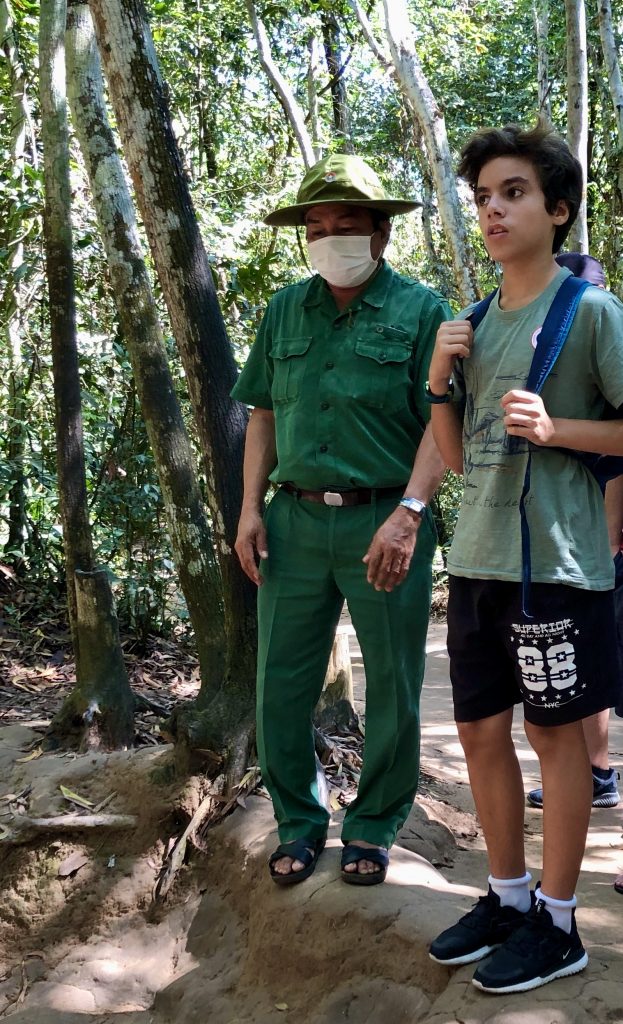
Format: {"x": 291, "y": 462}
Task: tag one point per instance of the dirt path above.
{"x": 230, "y": 948}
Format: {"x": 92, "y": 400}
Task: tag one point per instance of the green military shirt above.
{"x": 346, "y": 389}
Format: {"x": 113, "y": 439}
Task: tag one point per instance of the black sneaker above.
{"x": 536, "y": 953}
{"x": 476, "y": 934}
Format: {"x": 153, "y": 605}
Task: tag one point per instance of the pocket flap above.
{"x": 385, "y": 345}
{"x": 284, "y": 348}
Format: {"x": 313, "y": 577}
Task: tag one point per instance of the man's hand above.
{"x": 525, "y": 416}
{"x": 454, "y": 340}
{"x": 251, "y": 540}
{"x": 389, "y": 556}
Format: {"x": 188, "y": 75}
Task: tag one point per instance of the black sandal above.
{"x": 305, "y": 850}
{"x": 352, "y": 854}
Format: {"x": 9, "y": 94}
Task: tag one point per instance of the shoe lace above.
{"x": 484, "y": 907}
{"x": 534, "y": 929}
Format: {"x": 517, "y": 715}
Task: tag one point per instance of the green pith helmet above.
{"x": 340, "y": 178}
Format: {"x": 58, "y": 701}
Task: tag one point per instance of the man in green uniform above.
{"x": 336, "y": 377}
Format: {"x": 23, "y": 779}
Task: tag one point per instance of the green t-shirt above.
{"x": 565, "y": 510}
{"x": 347, "y": 389}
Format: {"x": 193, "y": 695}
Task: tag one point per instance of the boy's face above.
{"x": 515, "y": 225}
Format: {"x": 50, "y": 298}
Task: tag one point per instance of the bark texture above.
{"x": 577, "y": 109}
{"x": 113, "y": 723}
{"x": 187, "y": 522}
{"x": 415, "y": 86}
{"x": 144, "y": 121}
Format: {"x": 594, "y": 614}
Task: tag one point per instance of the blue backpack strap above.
{"x": 479, "y": 311}
{"x": 551, "y": 339}
{"x": 554, "y": 331}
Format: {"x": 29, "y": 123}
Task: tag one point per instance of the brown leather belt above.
{"x": 340, "y": 499}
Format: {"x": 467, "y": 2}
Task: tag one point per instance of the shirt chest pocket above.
{"x": 382, "y": 363}
{"x": 289, "y": 363}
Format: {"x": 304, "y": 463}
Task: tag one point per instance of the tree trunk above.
{"x": 415, "y": 86}
{"x": 116, "y": 718}
{"x": 144, "y": 121}
{"x": 11, "y": 304}
{"x": 615, "y": 84}
{"x": 540, "y": 13}
{"x": 577, "y": 109}
{"x": 284, "y": 92}
{"x": 188, "y": 527}
{"x": 312, "y": 96}
{"x": 366, "y": 28}
{"x": 337, "y": 85}
{"x": 99, "y": 712}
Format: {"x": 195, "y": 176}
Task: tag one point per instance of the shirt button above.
{"x": 324, "y": 448}
{"x": 382, "y": 357}
{"x": 379, "y": 330}
{"x": 329, "y": 366}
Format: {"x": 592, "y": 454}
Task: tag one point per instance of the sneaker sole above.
{"x": 467, "y": 958}
{"x": 601, "y": 801}
{"x": 526, "y": 986}
{"x": 607, "y": 801}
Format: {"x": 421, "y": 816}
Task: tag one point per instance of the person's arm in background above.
{"x": 260, "y": 458}
{"x": 614, "y": 512}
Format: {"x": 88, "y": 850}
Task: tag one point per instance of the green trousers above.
{"x": 315, "y": 562}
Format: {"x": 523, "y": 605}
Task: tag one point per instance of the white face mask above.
{"x": 342, "y": 260}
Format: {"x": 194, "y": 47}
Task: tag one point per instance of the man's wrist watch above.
{"x": 414, "y": 505}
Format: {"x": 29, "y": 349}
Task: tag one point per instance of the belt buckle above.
{"x": 333, "y": 498}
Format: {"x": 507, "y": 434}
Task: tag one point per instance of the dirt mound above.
{"x": 88, "y": 946}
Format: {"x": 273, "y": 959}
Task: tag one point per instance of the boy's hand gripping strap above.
{"x": 551, "y": 339}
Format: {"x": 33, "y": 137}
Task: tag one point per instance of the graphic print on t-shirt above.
{"x": 545, "y": 655}
{"x": 486, "y": 445}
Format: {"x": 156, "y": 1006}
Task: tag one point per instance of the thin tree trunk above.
{"x": 337, "y": 85}
{"x": 166, "y": 208}
{"x": 12, "y": 301}
{"x": 577, "y": 109}
{"x": 312, "y": 96}
{"x": 188, "y": 527}
{"x": 540, "y": 12}
{"x": 110, "y": 712}
{"x": 284, "y": 92}
{"x": 383, "y": 58}
{"x": 415, "y": 86}
{"x": 615, "y": 83}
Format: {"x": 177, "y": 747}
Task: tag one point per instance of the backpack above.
{"x": 551, "y": 339}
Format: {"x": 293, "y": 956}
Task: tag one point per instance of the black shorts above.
{"x": 562, "y": 664}
{"x": 618, "y": 611}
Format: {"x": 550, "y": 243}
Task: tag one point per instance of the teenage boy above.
{"x": 561, "y": 659}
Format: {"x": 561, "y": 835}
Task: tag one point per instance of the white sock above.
{"x": 561, "y": 910}
{"x": 513, "y": 892}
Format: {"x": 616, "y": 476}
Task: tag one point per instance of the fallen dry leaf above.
{"x": 72, "y": 864}
{"x": 34, "y": 754}
{"x": 80, "y": 800}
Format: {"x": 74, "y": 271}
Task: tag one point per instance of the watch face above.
{"x": 414, "y": 504}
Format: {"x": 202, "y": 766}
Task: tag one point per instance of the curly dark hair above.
{"x": 559, "y": 173}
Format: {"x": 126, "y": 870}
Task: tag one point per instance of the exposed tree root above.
{"x": 21, "y": 829}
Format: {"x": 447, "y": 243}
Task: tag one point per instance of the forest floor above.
{"x": 82, "y": 940}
